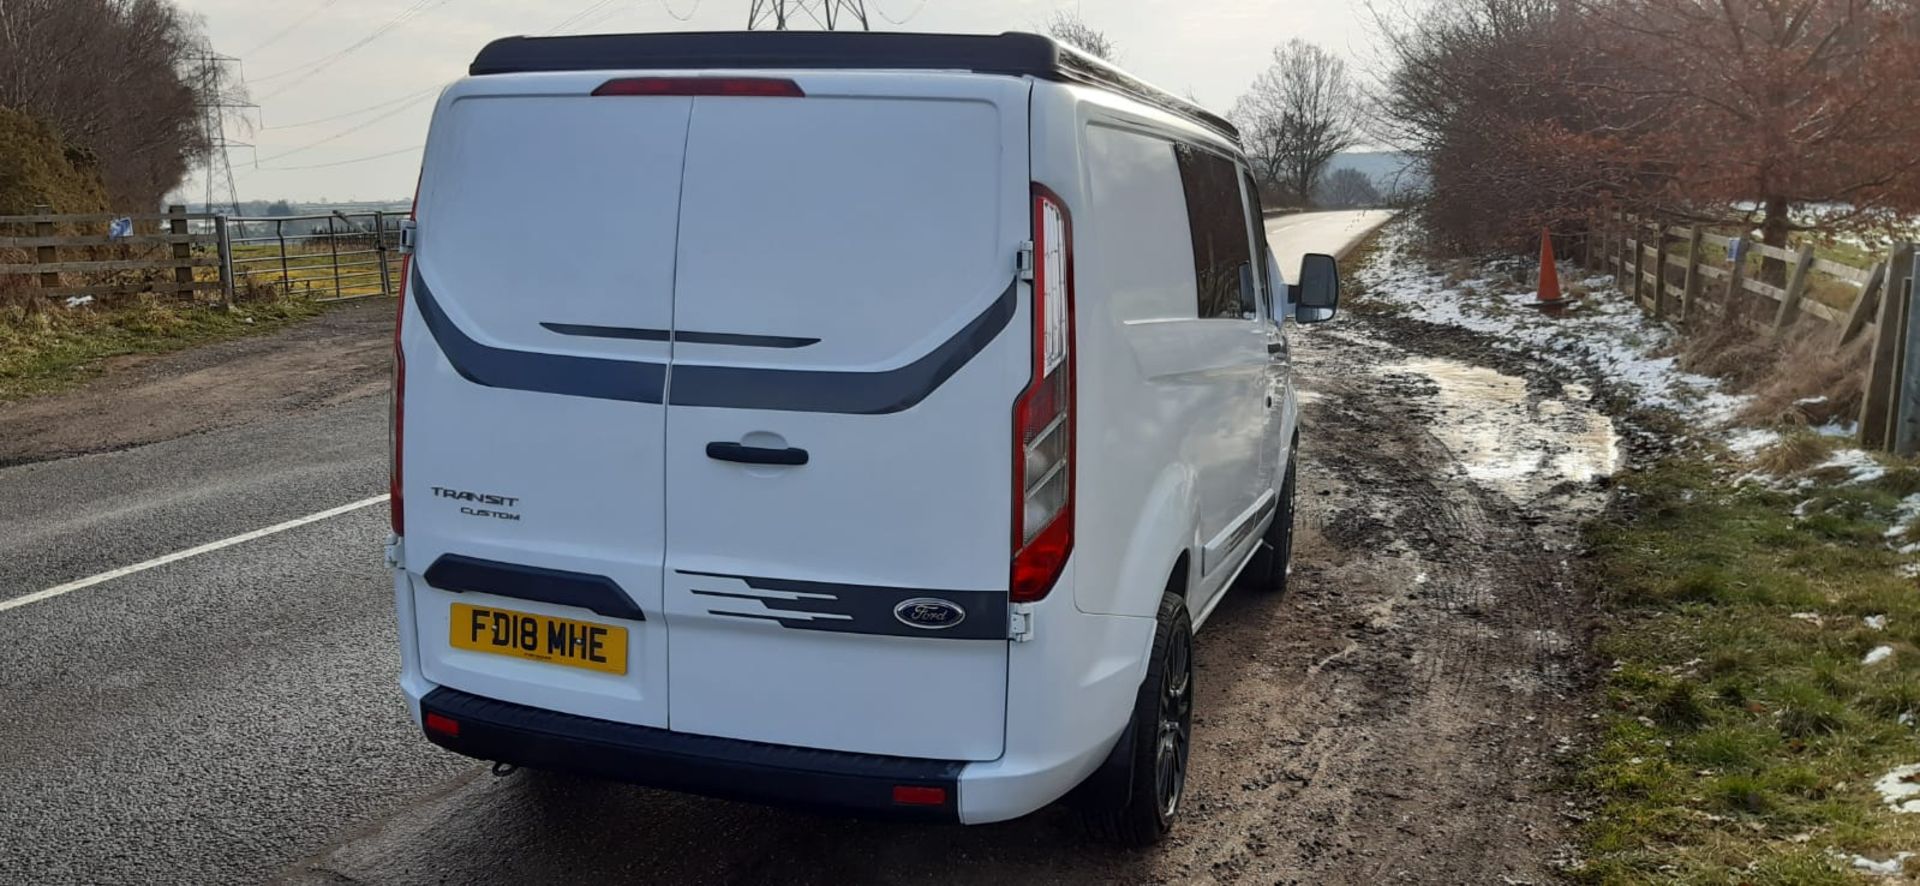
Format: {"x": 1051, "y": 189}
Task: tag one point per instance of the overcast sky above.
{"x": 342, "y": 81}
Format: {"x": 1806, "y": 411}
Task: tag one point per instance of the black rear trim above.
{"x": 857, "y": 609}
{"x": 598, "y": 593}
{"x": 695, "y": 338}
{"x": 699, "y": 764}
{"x": 727, "y": 387}
{"x": 1013, "y": 53}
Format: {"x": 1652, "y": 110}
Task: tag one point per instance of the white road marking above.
{"x": 177, "y": 556}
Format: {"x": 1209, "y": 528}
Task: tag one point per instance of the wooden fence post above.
{"x": 45, "y": 255}
{"x": 1796, "y": 289}
{"x": 1690, "y": 287}
{"x": 1736, "y": 280}
{"x": 1906, "y": 427}
{"x": 1639, "y": 260}
{"x": 1659, "y": 270}
{"x": 182, "y": 250}
{"x": 222, "y": 237}
{"x": 1865, "y": 305}
{"x": 1876, "y": 403}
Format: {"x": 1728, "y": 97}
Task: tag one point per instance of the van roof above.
{"x": 1011, "y": 53}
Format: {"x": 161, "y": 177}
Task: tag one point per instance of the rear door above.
{"x": 848, "y": 351}
{"x": 536, "y": 344}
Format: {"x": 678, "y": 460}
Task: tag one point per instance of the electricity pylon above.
{"x": 782, "y": 15}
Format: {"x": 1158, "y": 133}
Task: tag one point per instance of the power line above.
{"x": 380, "y": 156}
{"x": 899, "y": 21}
{"x": 580, "y": 15}
{"x": 358, "y": 111}
{"x": 342, "y": 133}
{"x": 314, "y": 68}
{"x": 295, "y": 25}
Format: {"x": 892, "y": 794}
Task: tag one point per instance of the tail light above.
{"x": 397, "y": 398}
{"x": 1043, "y": 416}
{"x": 732, "y": 87}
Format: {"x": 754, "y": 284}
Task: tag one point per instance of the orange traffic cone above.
{"x": 1549, "y": 271}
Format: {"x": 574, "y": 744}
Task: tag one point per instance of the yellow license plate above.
{"x": 562, "y": 641}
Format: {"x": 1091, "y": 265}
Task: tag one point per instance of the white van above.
{"x": 851, "y": 420}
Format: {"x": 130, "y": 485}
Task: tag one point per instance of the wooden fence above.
{"x": 1688, "y": 274}
{"x": 159, "y": 253}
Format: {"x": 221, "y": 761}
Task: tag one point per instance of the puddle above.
{"x": 1511, "y": 443}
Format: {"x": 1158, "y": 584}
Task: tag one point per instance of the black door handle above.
{"x": 756, "y": 455}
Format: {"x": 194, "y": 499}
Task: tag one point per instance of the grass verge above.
{"x": 46, "y": 349}
{"x": 1742, "y": 730}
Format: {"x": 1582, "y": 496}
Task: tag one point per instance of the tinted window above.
{"x": 1222, "y": 257}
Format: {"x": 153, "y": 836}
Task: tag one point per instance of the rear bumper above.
{"x": 697, "y": 764}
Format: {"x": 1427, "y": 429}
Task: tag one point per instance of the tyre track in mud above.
{"x": 1397, "y": 716}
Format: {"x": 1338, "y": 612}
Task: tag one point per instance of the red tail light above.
{"x": 1043, "y": 417}
{"x": 443, "y": 724}
{"x": 917, "y": 795}
{"x": 397, "y": 398}
{"x": 738, "y": 87}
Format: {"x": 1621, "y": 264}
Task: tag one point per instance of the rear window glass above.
{"x": 1222, "y": 253}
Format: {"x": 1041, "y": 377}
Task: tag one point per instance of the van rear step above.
{"x": 892, "y": 787}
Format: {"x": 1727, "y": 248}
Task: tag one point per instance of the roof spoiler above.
{"x": 1012, "y": 53}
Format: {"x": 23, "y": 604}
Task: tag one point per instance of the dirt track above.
{"x": 341, "y": 355}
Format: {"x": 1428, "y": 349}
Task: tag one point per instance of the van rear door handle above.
{"x": 756, "y": 455}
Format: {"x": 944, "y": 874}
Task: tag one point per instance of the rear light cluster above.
{"x": 738, "y": 87}
{"x": 397, "y": 399}
{"x": 1043, "y": 416}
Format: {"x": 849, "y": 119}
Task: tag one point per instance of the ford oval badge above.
{"x": 929, "y": 614}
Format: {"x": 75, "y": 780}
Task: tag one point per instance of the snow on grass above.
{"x": 1606, "y": 335}
{"x": 1858, "y": 463}
{"x": 1901, "y": 788}
{"x": 1747, "y": 442}
{"x": 1877, "y": 655}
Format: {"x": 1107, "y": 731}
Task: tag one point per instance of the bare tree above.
{"x": 117, "y": 80}
{"x": 1300, "y": 112}
{"x": 1068, "y": 27}
{"x": 1346, "y": 188}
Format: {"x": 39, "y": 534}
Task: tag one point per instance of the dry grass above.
{"x": 1798, "y": 379}
{"x": 46, "y": 346}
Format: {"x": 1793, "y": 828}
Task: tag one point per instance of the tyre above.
{"x": 1269, "y": 568}
{"x": 1133, "y": 800}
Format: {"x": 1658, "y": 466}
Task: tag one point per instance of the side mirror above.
{"x": 1317, "y": 295}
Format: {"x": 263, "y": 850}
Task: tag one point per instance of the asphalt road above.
{"x": 231, "y": 716}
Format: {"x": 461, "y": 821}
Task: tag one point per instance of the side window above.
{"x": 1257, "y": 224}
{"x": 1217, "y": 219}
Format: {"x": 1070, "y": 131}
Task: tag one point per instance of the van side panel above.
{"x": 873, "y": 227}
{"x": 525, "y": 446}
{"x": 1171, "y": 400}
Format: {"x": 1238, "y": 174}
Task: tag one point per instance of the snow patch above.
{"x": 1901, "y": 788}
{"x": 1605, "y": 335}
{"x": 1748, "y": 442}
{"x": 1875, "y": 622}
{"x": 1892, "y": 867}
{"x": 1858, "y": 463}
{"x": 1877, "y": 655}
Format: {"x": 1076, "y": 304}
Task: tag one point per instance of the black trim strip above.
{"x": 597, "y": 593}
{"x": 850, "y": 393}
{"x": 693, "y": 338}
{"x": 630, "y": 380}
{"x": 860, "y": 609}
{"x": 678, "y": 761}
{"x": 725, "y": 387}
